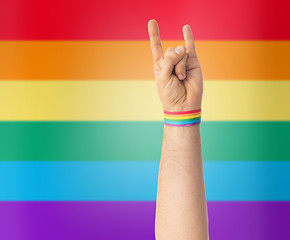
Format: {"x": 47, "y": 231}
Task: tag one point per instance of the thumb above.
{"x": 171, "y": 59}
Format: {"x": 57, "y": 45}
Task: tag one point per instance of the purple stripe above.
{"x": 182, "y": 125}
{"x": 135, "y": 220}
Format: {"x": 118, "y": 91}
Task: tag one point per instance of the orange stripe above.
{"x": 132, "y": 60}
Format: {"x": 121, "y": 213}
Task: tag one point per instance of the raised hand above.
{"x": 178, "y": 74}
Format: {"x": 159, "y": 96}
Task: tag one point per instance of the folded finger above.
{"x": 171, "y": 59}
{"x": 168, "y": 50}
{"x": 180, "y": 68}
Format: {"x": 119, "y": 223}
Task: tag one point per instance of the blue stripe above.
{"x": 137, "y": 181}
{"x": 183, "y": 122}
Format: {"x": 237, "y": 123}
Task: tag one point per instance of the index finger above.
{"x": 155, "y": 41}
{"x": 189, "y": 41}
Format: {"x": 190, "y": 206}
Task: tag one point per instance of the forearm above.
{"x": 181, "y": 211}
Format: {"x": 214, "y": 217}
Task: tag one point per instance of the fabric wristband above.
{"x": 181, "y": 119}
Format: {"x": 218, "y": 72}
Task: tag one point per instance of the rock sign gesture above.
{"x": 178, "y": 74}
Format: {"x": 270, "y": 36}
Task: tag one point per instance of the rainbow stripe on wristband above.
{"x": 181, "y": 119}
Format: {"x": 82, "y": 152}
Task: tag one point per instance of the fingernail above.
{"x": 180, "y": 76}
{"x": 179, "y": 50}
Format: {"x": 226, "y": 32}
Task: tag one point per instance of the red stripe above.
{"x": 127, "y": 19}
{"x": 182, "y": 113}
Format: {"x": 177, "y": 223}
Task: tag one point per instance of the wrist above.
{"x": 189, "y": 131}
{"x": 182, "y": 118}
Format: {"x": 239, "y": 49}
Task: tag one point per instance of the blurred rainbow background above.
{"x": 81, "y": 122}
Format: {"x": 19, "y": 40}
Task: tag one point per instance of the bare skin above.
{"x": 181, "y": 211}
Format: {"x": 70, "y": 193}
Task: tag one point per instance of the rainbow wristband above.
{"x": 181, "y": 119}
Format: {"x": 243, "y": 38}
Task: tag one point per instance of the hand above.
{"x": 178, "y": 74}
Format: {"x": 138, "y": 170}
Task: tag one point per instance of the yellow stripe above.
{"x": 138, "y": 100}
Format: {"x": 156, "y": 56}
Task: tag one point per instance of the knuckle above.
{"x": 169, "y": 50}
{"x": 168, "y": 60}
{"x": 157, "y": 67}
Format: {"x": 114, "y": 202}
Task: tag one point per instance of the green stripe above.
{"x": 138, "y": 141}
